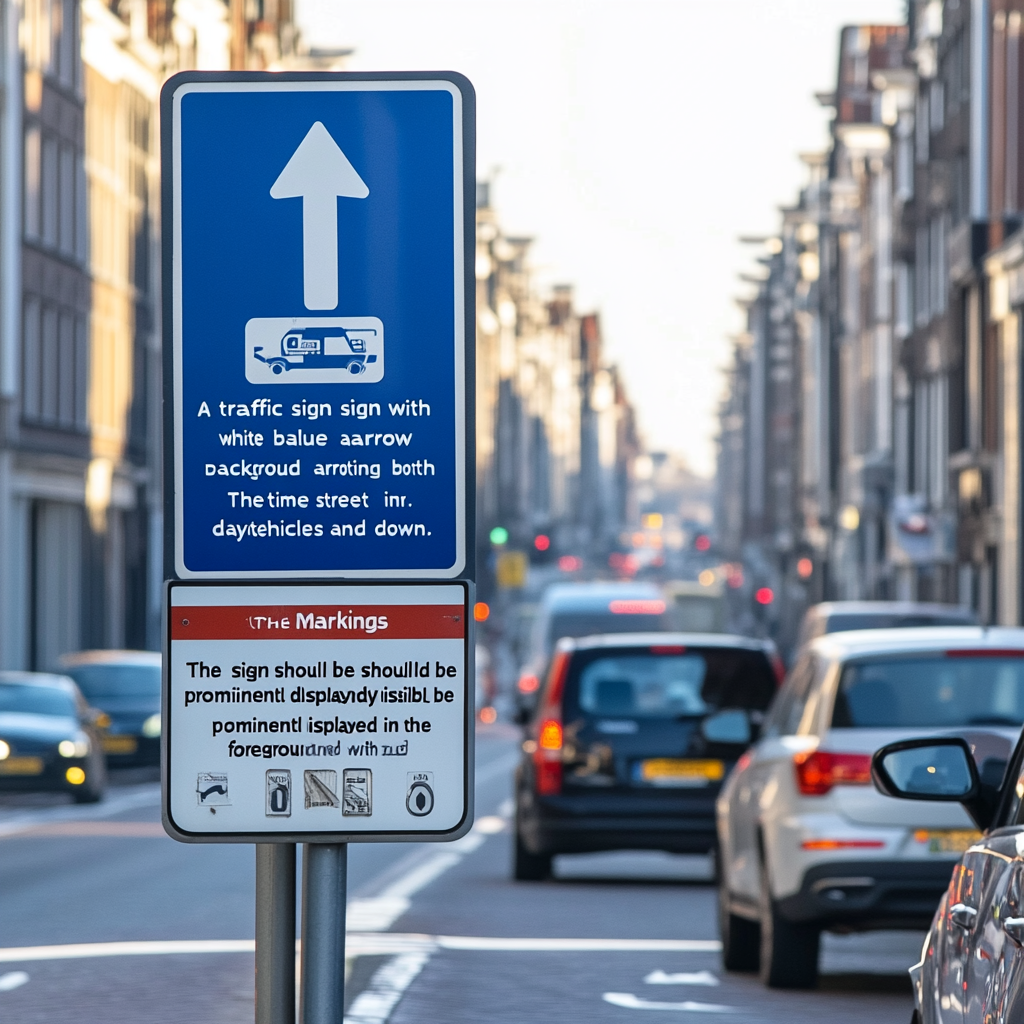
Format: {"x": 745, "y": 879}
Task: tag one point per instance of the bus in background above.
{"x": 695, "y": 607}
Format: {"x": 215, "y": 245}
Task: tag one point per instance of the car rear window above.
{"x": 105, "y": 682}
{"x": 577, "y": 624}
{"x": 684, "y": 683}
{"x": 845, "y": 622}
{"x": 21, "y": 698}
{"x": 931, "y": 692}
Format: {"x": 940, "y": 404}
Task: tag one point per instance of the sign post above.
{"x": 319, "y": 234}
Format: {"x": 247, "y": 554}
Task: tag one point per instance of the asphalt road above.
{"x": 437, "y": 932}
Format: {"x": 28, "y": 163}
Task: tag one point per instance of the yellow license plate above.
{"x": 674, "y": 771}
{"x": 120, "y": 744}
{"x": 947, "y": 840}
{"x": 21, "y": 766}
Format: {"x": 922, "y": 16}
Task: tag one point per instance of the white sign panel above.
{"x": 305, "y": 712}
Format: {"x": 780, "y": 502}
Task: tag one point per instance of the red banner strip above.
{"x": 319, "y": 622}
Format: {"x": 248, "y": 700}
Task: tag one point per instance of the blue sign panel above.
{"x": 316, "y": 309}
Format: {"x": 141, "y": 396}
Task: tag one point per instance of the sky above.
{"x": 635, "y": 141}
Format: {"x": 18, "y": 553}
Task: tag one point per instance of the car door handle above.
{"x": 963, "y": 916}
{"x": 1014, "y": 927}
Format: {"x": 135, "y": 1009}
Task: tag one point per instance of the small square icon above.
{"x": 321, "y": 788}
{"x": 279, "y": 793}
{"x": 357, "y": 793}
{"x": 212, "y": 789}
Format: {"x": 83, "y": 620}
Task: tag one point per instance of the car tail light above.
{"x": 528, "y": 683}
{"x": 635, "y": 607}
{"x": 778, "y": 668}
{"x": 817, "y": 771}
{"x": 547, "y": 756}
{"x": 842, "y": 844}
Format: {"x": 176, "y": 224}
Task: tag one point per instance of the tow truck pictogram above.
{"x": 321, "y": 348}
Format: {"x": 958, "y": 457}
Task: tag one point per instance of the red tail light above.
{"x": 547, "y": 757}
{"x": 778, "y": 668}
{"x": 817, "y": 771}
{"x": 528, "y": 683}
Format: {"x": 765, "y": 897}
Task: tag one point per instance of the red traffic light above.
{"x": 542, "y": 542}
{"x": 764, "y": 595}
{"x": 703, "y": 542}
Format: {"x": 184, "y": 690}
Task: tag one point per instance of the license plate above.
{"x": 674, "y": 771}
{"x": 120, "y": 744}
{"x": 947, "y": 840}
{"x": 21, "y": 766}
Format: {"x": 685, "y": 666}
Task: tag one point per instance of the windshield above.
{"x": 931, "y": 692}
{"x": 650, "y": 684}
{"x": 118, "y": 682}
{"x": 845, "y": 622}
{"x": 23, "y": 698}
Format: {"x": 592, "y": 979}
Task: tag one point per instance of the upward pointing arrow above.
{"x": 319, "y": 172}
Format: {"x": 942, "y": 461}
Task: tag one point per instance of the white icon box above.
{"x": 357, "y": 792}
{"x": 212, "y": 789}
{"x": 419, "y": 797}
{"x": 321, "y": 788}
{"x": 314, "y": 350}
{"x": 279, "y": 793}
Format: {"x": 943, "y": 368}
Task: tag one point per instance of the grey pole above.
{"x": 324, "y": 883}
{"x": 275, "y": 933}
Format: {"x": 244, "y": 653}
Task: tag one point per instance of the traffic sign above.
{"x": 319, "y": 293}
{"x": 317, "y": 712}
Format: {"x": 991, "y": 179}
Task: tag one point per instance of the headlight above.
{"x": 151, "y": 727}
{"x": 74, "y": 748}
{"x": 5, "y": 750}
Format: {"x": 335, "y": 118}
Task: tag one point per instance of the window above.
{"x": 788, "y": 709}
{"x": 66, "y": 201}
{"x": 54, "y": 365}
{"x": 30, "y": 365}
{"x": 50, "y": 191}
{"x": 33, "y": 158}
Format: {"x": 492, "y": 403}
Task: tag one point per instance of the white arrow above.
{"x": 319, "y": 172}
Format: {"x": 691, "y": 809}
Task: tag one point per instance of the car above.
{"x": 631, "y": 740}
{"x": 126, "y": 686}
{"x": 844, "y": 616}
{"x": 971, "y": 969}
{"x": 587, "y": 609}
{"x": 806, "y": 843}
{"x": 50, "y": 739}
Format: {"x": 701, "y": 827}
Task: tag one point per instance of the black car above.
{"x": 631, "y": 741}
{"x": 50, "y": 739}
{"x": 126, "y": 686}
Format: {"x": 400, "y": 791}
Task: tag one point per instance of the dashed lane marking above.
{"x": 684, "y": 978}
{"x": 12, "y": 980}
{"x": 631, "y": 1002}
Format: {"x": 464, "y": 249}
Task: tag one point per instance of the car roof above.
{"x": 48, "y": 679}
{"x": 726, "y": 640}
{"x": 861, "y": 642}
{"x": 594, "y": 596}
{"x": 80, "y": 658}
{"x": 827, "y": 608}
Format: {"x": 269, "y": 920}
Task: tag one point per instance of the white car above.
{"x": 806, "y": 843}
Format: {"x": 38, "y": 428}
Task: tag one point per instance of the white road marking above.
{"x": 691, "y": 978}
{"x": 499, "y": 766}
{"x": 491, "y": 824}
{"x": 364, "y": 944}
{"x": 12, "y": 980}
{"x": 144, "y": 795}
{"x": 374, "y": 1004}
{"x": 632, "y": 1002}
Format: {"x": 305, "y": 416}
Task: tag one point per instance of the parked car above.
{"x": 844, "y": 616}
{"x": 806, "y": 843}
{"x": 587, "y": 609}
{"x": 971, "y": 969}
{"x": 50, "y": 739}
{"x": 126, "y": 686}
{"x": 630, "y": 743}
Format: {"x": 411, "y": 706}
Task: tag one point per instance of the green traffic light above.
{"x": 499, "y": 535}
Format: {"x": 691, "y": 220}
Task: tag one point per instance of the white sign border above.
{"x": 404, "y": 836}
{"x": 367, "y": 85}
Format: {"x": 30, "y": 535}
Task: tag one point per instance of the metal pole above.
{"x": 324, "y": 884}
{"x": 275, "y": 933}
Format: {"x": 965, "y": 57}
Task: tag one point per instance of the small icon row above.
{"x": 320, "y": 789}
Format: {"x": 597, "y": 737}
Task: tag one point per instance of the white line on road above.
{"x": 374, "y": 1004}
{"x": 14, "y": 979}
{"x": 686, "y": 978}
{"x": 632, "y": 1002}
{"x": 365, "y": 944}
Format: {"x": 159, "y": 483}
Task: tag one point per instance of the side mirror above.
{"x": 99, "y": 718}
{"x": 732, "y": 725}
{"x": 937, "y": 768}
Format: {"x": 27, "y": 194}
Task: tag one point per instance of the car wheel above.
{"x": 88, "y": 794}
{"x": 789, "y": 952}
{"x": 741, "y": 939}
{"x": 530, "y": 867}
